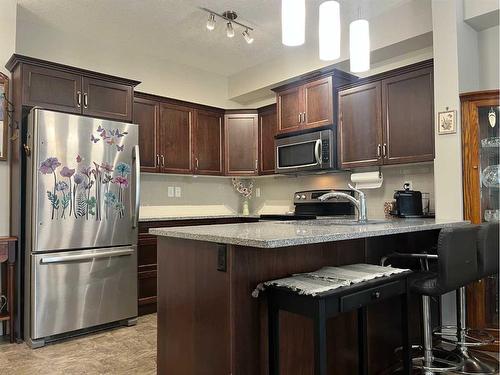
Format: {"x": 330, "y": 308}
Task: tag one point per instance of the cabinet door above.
{"x": 268, "y": 121}
{"x": 241, "y": 135}
{"x": 107, "y": 99}
{"x": 146, "y": 114}
{"x": 408, "y": 117}
{"x": 289, "y": 109}
{"x": 208, "y": 143}
{"x": 360, "y": 130}
{"x": 52, "y": 89}
{"x": 175, "y": 130}
{"x": 318, "y": 103}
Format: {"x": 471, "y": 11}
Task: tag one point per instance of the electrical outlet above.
{"x": 410, "y": 184}
{"x": 257, "y": 192}
{"x": 178, "y": 191}
{"x": 170, "y": 192}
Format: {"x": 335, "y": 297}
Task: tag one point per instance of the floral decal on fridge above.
{"x": 88, "y": 191}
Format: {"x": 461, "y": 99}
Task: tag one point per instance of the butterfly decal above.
{"x": 94, "y": 139}
{"x": 79, "y": 159}
{"x": 119, "y": 148}
{"x": 100, "y": 129}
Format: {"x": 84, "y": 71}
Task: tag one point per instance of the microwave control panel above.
{"x": 325, "y": 151}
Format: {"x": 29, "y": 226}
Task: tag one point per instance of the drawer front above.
{"x": 365, "y": 297}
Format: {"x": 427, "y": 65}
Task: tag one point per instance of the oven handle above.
{"x": 73, "y": 258}
{"x": 318, "y": 148}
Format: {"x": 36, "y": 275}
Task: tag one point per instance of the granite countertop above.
{"x": 188, "y": 212}
{"x": 272, "y": 234}
{"x": 160, "y": 217}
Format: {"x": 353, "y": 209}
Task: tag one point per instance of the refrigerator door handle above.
{"x": 137, "y": 169}
{"x": 73, "y": 258}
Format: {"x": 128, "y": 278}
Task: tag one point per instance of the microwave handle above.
{"x": 318, "y": 150}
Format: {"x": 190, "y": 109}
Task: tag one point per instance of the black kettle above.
{"x": 408, "y": 202}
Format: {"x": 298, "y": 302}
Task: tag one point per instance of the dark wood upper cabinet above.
{"x": 360, "y": 126}
{"x": 146, "y": 115}
{"x": 318, "y": 103}
{"x": 388, "y": 118}
{"x": 241, "y": 140}
{"x": 268, "y": 127}
{"x": 72, "y": 90}
{"x": 107, "y": 99}
{"x": 207, "y": 143}
{"x": 52, "y": 89}
{"x": 289, "y": 109}
{"x": 175, "y": 131}
{"x": 408, "y": 116}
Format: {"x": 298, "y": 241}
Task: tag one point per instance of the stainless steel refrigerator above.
{"x": 82, "y": 208}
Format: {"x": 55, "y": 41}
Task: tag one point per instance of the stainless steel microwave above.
{"x": 314, "y": 151}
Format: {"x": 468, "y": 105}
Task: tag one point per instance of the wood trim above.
{"x": 178, "y": 102}
{"x": 4, "y": 80}
{"x": 479, "y": 95}
{"x": 315, "y": 75}
{"x": 21, "y": 59}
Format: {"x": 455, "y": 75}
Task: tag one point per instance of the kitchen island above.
{"x": 209, "y": 323}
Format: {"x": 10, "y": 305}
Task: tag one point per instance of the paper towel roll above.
{"x": 367, "y": 180}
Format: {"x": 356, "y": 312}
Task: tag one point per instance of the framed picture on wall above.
{"x": 4, "y": 118}
{"x": 447, "y": 122}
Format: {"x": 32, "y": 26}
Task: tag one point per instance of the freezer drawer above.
{"x": 81, "y": 289}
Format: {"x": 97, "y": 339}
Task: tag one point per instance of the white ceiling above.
{"x": 175, "y": 29}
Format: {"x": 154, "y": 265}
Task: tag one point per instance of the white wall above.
{"x": 7, "y": 48}
{"x": 489, "y": 57}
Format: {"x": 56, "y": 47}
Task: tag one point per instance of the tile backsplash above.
{"x": 276, "y": 192}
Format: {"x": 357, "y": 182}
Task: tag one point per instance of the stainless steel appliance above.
{"x": 82, "y": 208}
{"x": 308, "y": 206}
{"x": 314, "y": 151}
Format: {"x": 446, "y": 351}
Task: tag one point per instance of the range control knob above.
{"x": 303, "y": 196}
{"x": 297, "y": 196}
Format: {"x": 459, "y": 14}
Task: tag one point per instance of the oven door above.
{"x": 303, "y": 152}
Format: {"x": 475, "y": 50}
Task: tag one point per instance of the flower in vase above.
{"x": 49, "y": 165}
{"x": 61, "y": 186}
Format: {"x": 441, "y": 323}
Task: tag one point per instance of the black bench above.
{"x": 329, "y": 304}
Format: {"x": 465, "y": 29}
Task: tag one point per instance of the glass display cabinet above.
{"x": 481, "y": 182}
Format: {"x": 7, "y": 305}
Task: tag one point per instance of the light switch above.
{"x": 170, "y": 191}
{"x": 177, "y": 191}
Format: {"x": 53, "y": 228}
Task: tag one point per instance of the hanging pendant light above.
{"x": 359, "y": 46}
{"x": 248, "y": 38}
{"x": 329, "y": 30}
{"x": 293, "y": 22}
{"x": 229, "y": 30}
{"x": 211, "y": 22}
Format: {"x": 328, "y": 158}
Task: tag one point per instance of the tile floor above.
{"x": 122, "y": 351}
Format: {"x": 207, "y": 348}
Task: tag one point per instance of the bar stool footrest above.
{"x": 471, "y": 337}
{"x": 443, "y": 361}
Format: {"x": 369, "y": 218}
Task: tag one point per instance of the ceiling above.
{"x": 175, "y": 30}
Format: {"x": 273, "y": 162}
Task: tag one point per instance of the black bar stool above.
{"x": 461, "y": 336}
{"x": 322, "y": 306}
{"x": 456, "y": 267}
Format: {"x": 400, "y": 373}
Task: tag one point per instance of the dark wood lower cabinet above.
{"x": 147, "y": 256}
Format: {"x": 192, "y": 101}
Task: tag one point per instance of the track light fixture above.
{"x": 211, "y": 22}
{"x": 229, "y": 16}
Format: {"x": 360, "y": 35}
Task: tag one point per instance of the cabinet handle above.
{"x": 384, "y": 150}
{"x": 85, "y": 100}
{"x": 157, "y": 160}
{"x": 303, "y": 117}
{"x": 300, "y": 117}
{"x": 162, "y": 161}
{"x": 379, "y": 150}
{"x": 256, "y": 164}
{"x": 78, "y": 99}
{"x": 197, "y": 163}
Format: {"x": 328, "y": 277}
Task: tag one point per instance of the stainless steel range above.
{"x": 308, "y": 206}
{"x": 81, "y": 225}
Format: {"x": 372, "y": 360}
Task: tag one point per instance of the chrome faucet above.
{"x": 360, "y": 203}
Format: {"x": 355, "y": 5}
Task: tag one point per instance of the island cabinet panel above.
{"x": 52, "y": 89}
{"x": 318, "y": 103}
{"x": 107, "y": 99}
{"x": 146, "y": 115}
{"x": 175, "y": 131}
{"x": 360, "y": 130}
{"x": 241, "y": 144}
{"x": 193, "y": 310}
{"x": 208, "y": 143}
{"x": 289, "y": 109}
{"x": 268, "y": 122}
{"x": 408, "y": 117}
